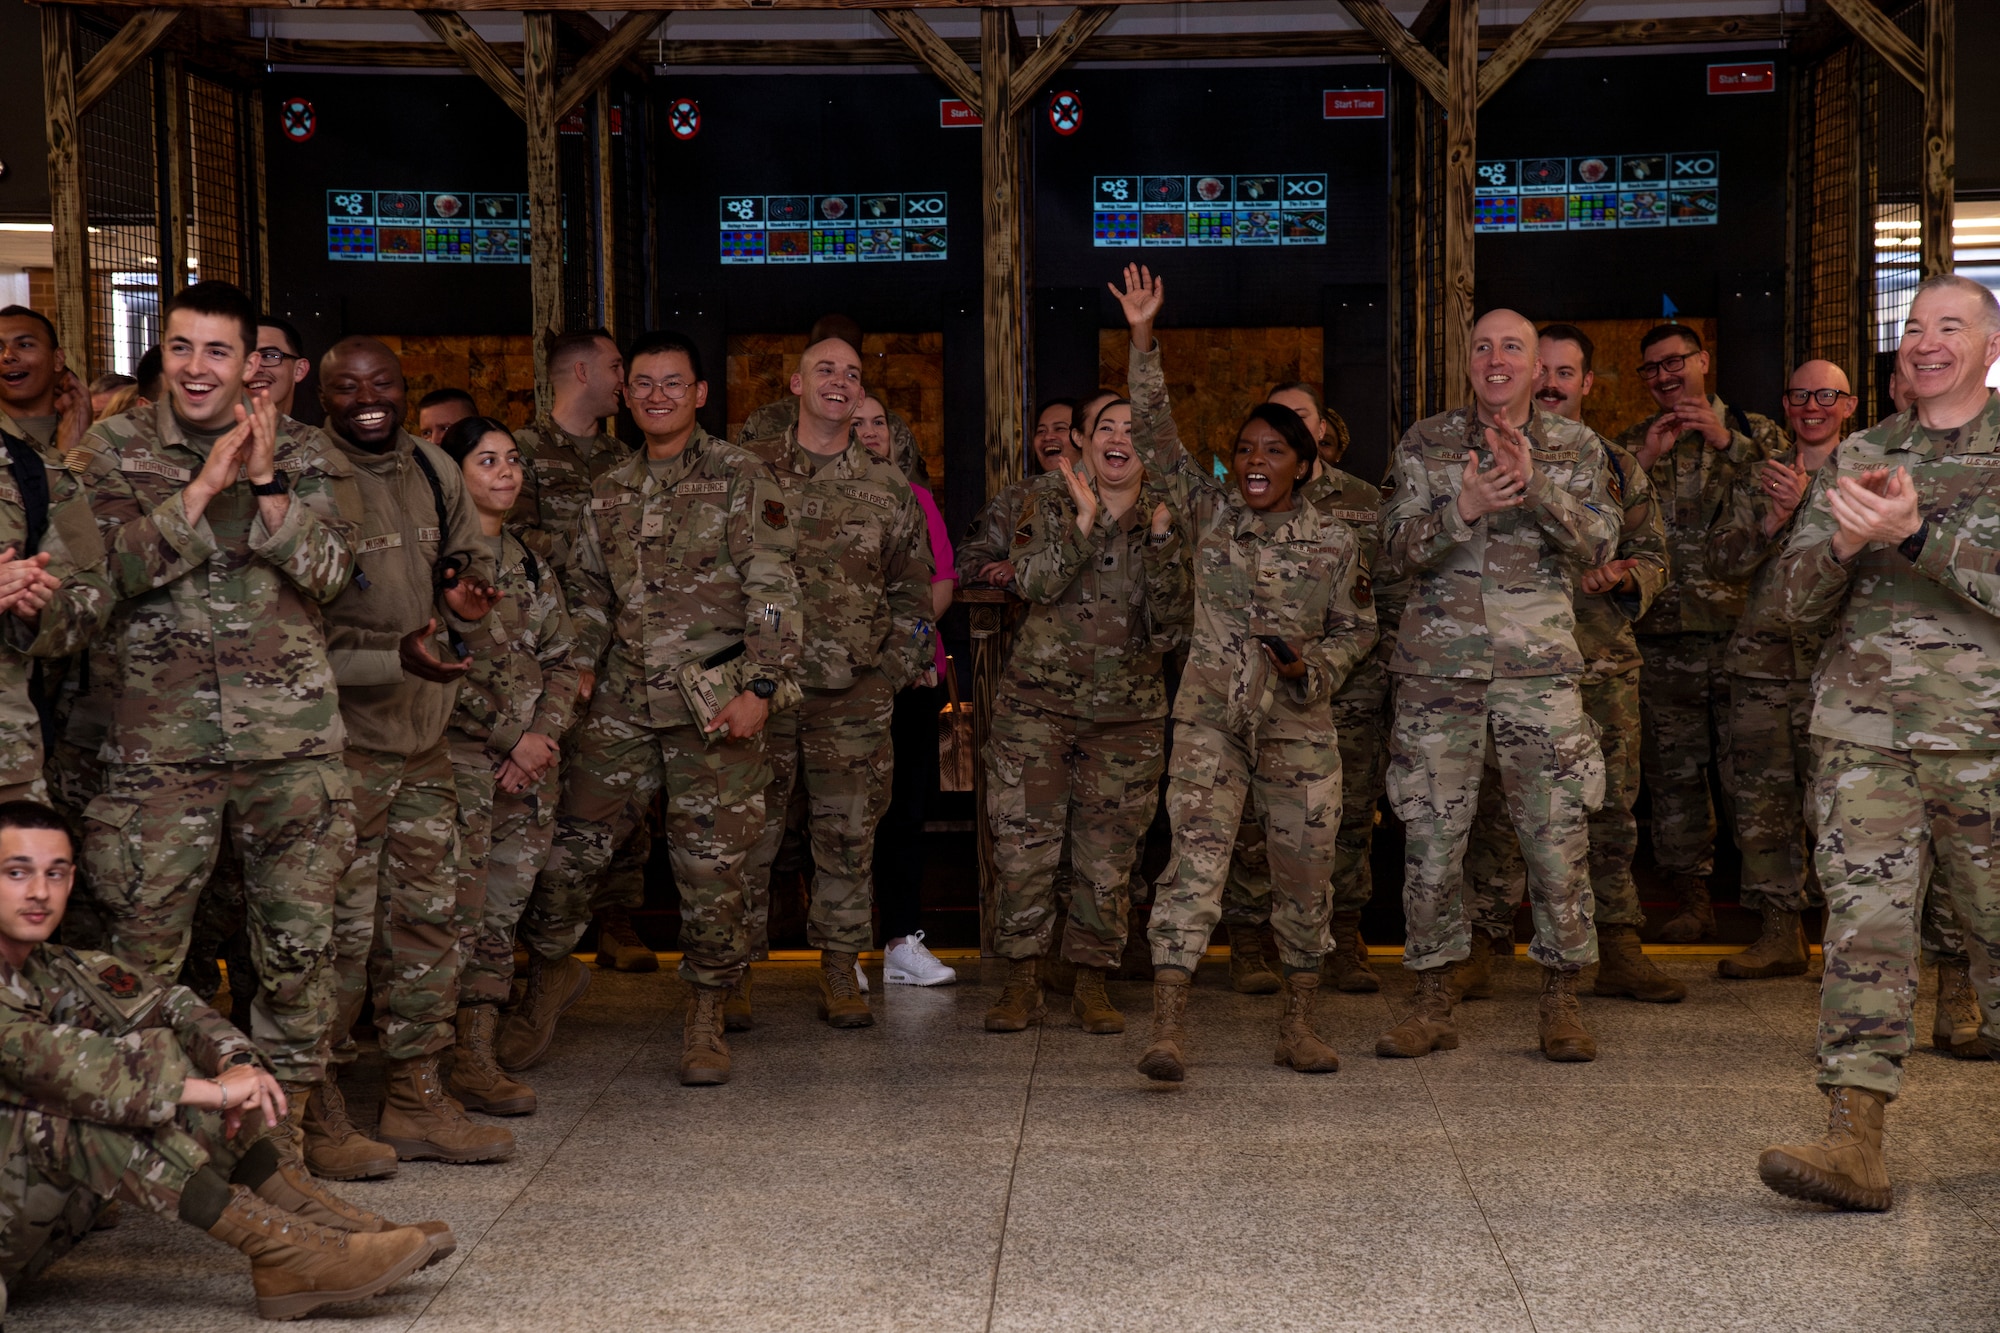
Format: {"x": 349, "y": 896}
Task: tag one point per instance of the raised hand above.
{"x": 1140, "y": 298}
{"x": 1695, "y": 413}
{"x": 1660, "y": 437}
{"x": 1511, "y": 452}
{"x": 1786, "y": 486}
{"x": 260, "y": 458}
{"x": 1483, "y": 493}
{"x": 218, "y": 474}
{"x": 1079, "y": 490}
{"x": 72, "y": 411}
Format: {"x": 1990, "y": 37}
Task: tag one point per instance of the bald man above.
{"x": 1770, "y": 662}
{"x": 1494, "y": 511}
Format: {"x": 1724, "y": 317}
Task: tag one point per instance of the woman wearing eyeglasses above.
{"x": 1770, "y": 664}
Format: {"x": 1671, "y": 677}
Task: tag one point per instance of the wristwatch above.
{"x": 764, "y": 689}
{"x": 240, "y": 1058}
{"x": 1912, "y": 546}
{"x": 279, "y": 484}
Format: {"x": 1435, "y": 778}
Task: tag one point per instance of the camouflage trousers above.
{"x": 1885, "y": 818}
{"x": 151, "y": 840}
{"x": 714, "y": 816}
{"x": 1291, "y": 787}
{"x": 61, "y": 1173}
{"x": 1684, "y": 694}
{"x": 396, "y": 917}
{"x": 76, "y": 776}
{"x": 1050, "y": 777}
{"x": 623, "y": 884}
{"x": 1361, "y": 728}
{"x": 1529, "y": 736}
{"x": 1495, "y": 873}
{"x": 1770, "y": 734}
{"x": 839, "y": 741}
{"x": 503, "y": 841}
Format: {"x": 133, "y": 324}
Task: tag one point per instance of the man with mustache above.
{"x": 423, "y": 576}
{"x": 1494, "y": 510}
{"x": 1609, "y": 599}
{"x": 1695, "y": 448}
{"x": 1896, "y": 539}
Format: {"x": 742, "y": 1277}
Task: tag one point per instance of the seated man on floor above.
{"x": 114, "y": 1086}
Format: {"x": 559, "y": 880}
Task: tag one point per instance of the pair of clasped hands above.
{"x": 26, "y": 586}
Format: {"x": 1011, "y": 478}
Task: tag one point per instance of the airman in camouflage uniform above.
{"x": 773, "y": 419}
{"x": 522, "y": 680}
{"x": 1493, "y": 522}
{"x": 1251, "y": 733}
{"x": 225, "y": 721}
{"x": 1900, "y": 538}
{"x": 682, "y": 555}
{"x": 1695, "y": 449}
{"x": 864, "y": 571}
{"x": 1610, "y": 691}
{"x": 1078, "y": 736}
{"x": 390, "y": 632}
{"x": 989, "y": 541}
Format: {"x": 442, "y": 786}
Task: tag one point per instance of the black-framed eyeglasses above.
{"x": 274, "y": 356}
{"x": 1670, "y": 365}
{"x": 1824, "y": 397}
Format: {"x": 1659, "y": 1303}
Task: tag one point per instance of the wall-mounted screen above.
{"x": 881, "y": 227}
{"x": 1598, "y": 192}
{"x": 426, "y": 227}
{"x": 1208, "y": 210}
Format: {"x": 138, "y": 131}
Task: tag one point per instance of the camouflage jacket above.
{"x": 1295, "y": 574}
{"x": 776, "y": 418}
{"x": 1914, "y": 660}
{"x": 864, "y": 565}
{"x": 991, "y": 536}
{"x": 402, "y": 534}
{"x": 1693, "y": 482}
{"x": 670, "y": 568}
{"x": 555, "y": 486}
{"x": 1102, "y": 608}
{"x": 522, "y": 678}
{"x": 1765, "y": 645}
{"x": 1334, "y": 493}
{"x": 72, "y": 618}
{"x": 219, "y": 638}
{"x": 1495, "y": 598}
{"x": 1604, "y": 621}
{"x": 82, "y": 1037}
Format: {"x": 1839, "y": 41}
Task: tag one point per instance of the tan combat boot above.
{"x": 1298, "y": 1045}
{"x": 476, "y": 1079}
{"x": 1347, "y": 962}
{"x": 1092, "y": 1007}
{"x": 1780, "y": 950}
{"x": 1471, "y": 978}
{"x": 1165, "y": 1058}
{"x": 1249, "y": 974}
{"x": 619, "y": 946}
{"x": 1696, "y": 919}
{"x": 1845, "y": 1168}
{"x": 1559, "y": 1021}
{"x": 297, "y": 1266}
{"x": 1500, "y": 943}
{"x": 334, "y": 1148}
{"x": 736, "y": 1008}
{"x": 294, "y": 1190}
{"x": 841, "y": 1002}
{"x": 1956, "y": 1029}
{"x": 1020, "y": 1002}
{"x": 553, "y": 986}
{"x": 1624, "y": 969}
{"x": 1428, "y": 1027}
{"x": 704, "y": 1054}
{"x": 422, "y": 1123}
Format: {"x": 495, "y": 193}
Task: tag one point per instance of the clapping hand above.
{"x": 1087, "y": 504}
{"x": 1877, "y": 506}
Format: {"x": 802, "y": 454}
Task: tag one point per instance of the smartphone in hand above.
{"x": 1279, "y": 648}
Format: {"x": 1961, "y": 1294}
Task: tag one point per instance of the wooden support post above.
{"x": 176, "y": 179}
{"x": 595, "y": 68}
{"x": 1460, "y": 166}
{"x": 607, "y": 250}
{"x": 70, "y": 238}
{"x": 545, "y": 240}
{"x": 1004, "y": 300}
{"x": 1940, "y": 134}
{"x": 261, "y": 219}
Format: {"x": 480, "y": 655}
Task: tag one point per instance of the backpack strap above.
{"x": 457, "y": 640}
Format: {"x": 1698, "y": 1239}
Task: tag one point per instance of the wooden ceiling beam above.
{"x": 1404, "y": 49}
{"x": 478, "y": 57}
{"x": 934, "y": 54}
{"x": 1521, "y": 45}
{"x": 590, "y": 72}
{"x": 1885, "y": 38}
{"x": 586, "y": 29}
{"x": 1060, "y": 48}
{"x": 127, "y": 47}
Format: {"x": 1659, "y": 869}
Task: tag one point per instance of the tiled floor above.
{"x": 928, "y": 1175}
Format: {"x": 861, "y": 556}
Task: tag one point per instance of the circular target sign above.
{"x": 1065, "y": 113}
{"x": 298, "y": 119}
{"x": 684, "y": 118}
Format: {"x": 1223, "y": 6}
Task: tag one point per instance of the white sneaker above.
{"x": 861, "y": 978}
{"x": 911, "y": 964}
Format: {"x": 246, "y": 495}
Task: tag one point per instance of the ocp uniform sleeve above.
{"x": 763, "y": 539}
{"x": 1348, "y": 629}
{"x": 586, "y": 586}
{"x": 907, "y": 573}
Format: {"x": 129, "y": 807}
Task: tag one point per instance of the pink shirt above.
{"x": 941, "y": 557}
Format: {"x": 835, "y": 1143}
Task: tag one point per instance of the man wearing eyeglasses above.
{"x": 1770, "y": 663}
{"x": 279, "y": 365}
{"x": 1694, "y": 449}
{"x": 1897, "y": 539}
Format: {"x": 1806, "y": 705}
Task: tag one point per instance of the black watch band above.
{"x": 764, "y": 689}
{"x": 1912, "y": 546}
{"x": 279, "y": 484}
{"x": 240, "y": 1058}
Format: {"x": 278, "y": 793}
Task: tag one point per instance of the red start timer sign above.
{"x": 1758, "y": 76}
{"x": 1355, "y": 103}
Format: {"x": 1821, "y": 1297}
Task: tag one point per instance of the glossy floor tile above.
{"x": 926, "y": 1174}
